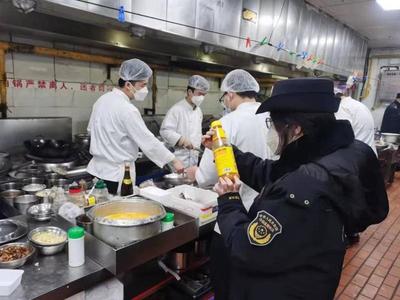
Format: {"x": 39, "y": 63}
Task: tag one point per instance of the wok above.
{"x": 49, "y": 148}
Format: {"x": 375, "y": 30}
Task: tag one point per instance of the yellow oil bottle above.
{"x": 223, "y": 152}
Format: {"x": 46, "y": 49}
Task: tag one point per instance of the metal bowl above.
{"x": 122, "y": 232}
{"x": 45, "y": 196}
{"x": 41, "y": 212}
{"x": 17, "y": 262}
{"x": 31, "y": 180}
{"x": 48, "y": 249}
{"x": 176, "y": 179}
{"x": 10, "y": 186}
{"x": 59, "y": 182}
{"x": 24, "y": 202}
{"x": 10, "y": 195}
{"x": 33, "y": 188}
{"x": 392, "y": 138}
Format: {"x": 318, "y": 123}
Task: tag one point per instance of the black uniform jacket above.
{"x": 391, "y": 118}
{"x": 290, "y": 245}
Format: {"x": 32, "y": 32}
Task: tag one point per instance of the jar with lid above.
{"x": 76, "y": 246}
{"x": 76, "y": 195}
{"x": 168, "y": 221}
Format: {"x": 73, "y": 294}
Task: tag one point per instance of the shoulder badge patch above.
{"x": 263, "y": 229}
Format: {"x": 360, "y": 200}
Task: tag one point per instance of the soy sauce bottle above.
{"x": 127, "y": 185}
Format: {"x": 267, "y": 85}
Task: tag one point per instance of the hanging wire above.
{"x": 277, "y": 22}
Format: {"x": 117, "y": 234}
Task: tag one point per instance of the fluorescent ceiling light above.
{"x": 389, "y": 4}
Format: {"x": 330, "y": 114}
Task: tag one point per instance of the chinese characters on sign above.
{"x": 57, "y": 85}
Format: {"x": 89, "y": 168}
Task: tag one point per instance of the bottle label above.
{"x": 91, "y": 201}
{"x": 220, "y": 133}
{"x": 127, "y": 181}
{"x": 225, "y": 161}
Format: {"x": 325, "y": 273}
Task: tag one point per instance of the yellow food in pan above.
{"x": 128, "y": 216}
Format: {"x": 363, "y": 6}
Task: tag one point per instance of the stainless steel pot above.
{"x": 60, "y": 182}
{"x": 392, "y": 138}
{"x": 118, "y": 233}
{"x": 10, "y": 186}
{"x": 10, "y": 195}
{"x": 22, "y": 203}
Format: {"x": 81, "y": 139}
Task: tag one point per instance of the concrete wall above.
{"x": 36, "y": 102}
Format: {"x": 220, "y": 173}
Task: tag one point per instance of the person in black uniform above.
{"x": 290, "y": 245}
{"x": 391, "y": 118}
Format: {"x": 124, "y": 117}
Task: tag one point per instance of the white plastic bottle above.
{"x": 76, "y": 246}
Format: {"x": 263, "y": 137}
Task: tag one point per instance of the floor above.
{"x": 371, "y": 269}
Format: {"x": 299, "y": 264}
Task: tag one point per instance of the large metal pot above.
{"x": 118, "y": 233}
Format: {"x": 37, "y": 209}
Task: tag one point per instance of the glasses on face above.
{"x": 221, "y": 100}
{"x": 269, "y": 123}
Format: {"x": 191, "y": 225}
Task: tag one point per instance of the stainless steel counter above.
{"x": 50, "y": 277}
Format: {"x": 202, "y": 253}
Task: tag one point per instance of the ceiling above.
{"x": 380, "y": 27}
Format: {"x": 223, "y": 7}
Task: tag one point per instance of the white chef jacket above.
{"x": 182, "y": 120}
{"x": 117, "y": 131}
{"x": 248, "y": 132}
{"x": 360, "y": 118}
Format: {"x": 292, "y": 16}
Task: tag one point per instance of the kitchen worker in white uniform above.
{"x": 181, "y": 127}
{"x": 117, "y": 129}
{"x": 246, "y": 131}
{"x": 359, "y": 116}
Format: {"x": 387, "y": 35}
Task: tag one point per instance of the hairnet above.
{"x": 199, "y": 83}
{"x": 239, "y": 81}
{"x": 134, "y": 69}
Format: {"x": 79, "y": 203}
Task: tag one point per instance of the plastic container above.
{"x": 76, "y": 195}
{"x": 223, "y": 152}
{"x": 9, "y": 281}
{"x": 100, "y": 192}
{"x": 76, "y": 246}
{"x": 168, "y": 221}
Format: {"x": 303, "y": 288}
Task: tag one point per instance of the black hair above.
{"x": 121, "y": 82}
{"x": 339, "y": 94}
{"x": 248, "y": 94}
{"x": 312, "y": 124}
{"x": 190, "y": 88}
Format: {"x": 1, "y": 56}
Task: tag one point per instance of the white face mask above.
{"x": 197, "y": 100}
{"x": 140, "y": 95}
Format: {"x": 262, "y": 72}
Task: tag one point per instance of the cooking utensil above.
{"x": 17, "y": 262}
{"x": 48, "y": 249}
{"x": 11, "y": 186}
{"x": 122, "y": 232}
{"x": 45, "y": 196}
{"x": 176, "y": 179}
{"x": 11, "y": 230}
{"x": 33, "y": 188}
{"x": 50, "y": 148}
{"x": 33, "y": 180}
{"x": 60, "y": 182}
{"x": 41, "y": 212}
{"x": 24, "y": 202}
{"x": 10, "y": 195}
{"x": 85, "y": 222}
{"x": 392, "y": 138}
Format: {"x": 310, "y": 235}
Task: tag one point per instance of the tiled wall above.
{"x": 36, "y": 102}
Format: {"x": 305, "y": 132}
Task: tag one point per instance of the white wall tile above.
{"x": 27, "y": 66}
{"x": 72, "y": 71}
{"x": 98, "y": 73}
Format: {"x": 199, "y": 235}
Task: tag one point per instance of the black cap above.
{"x": 398, "y": 96}
{"x": 312, "y": 95}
